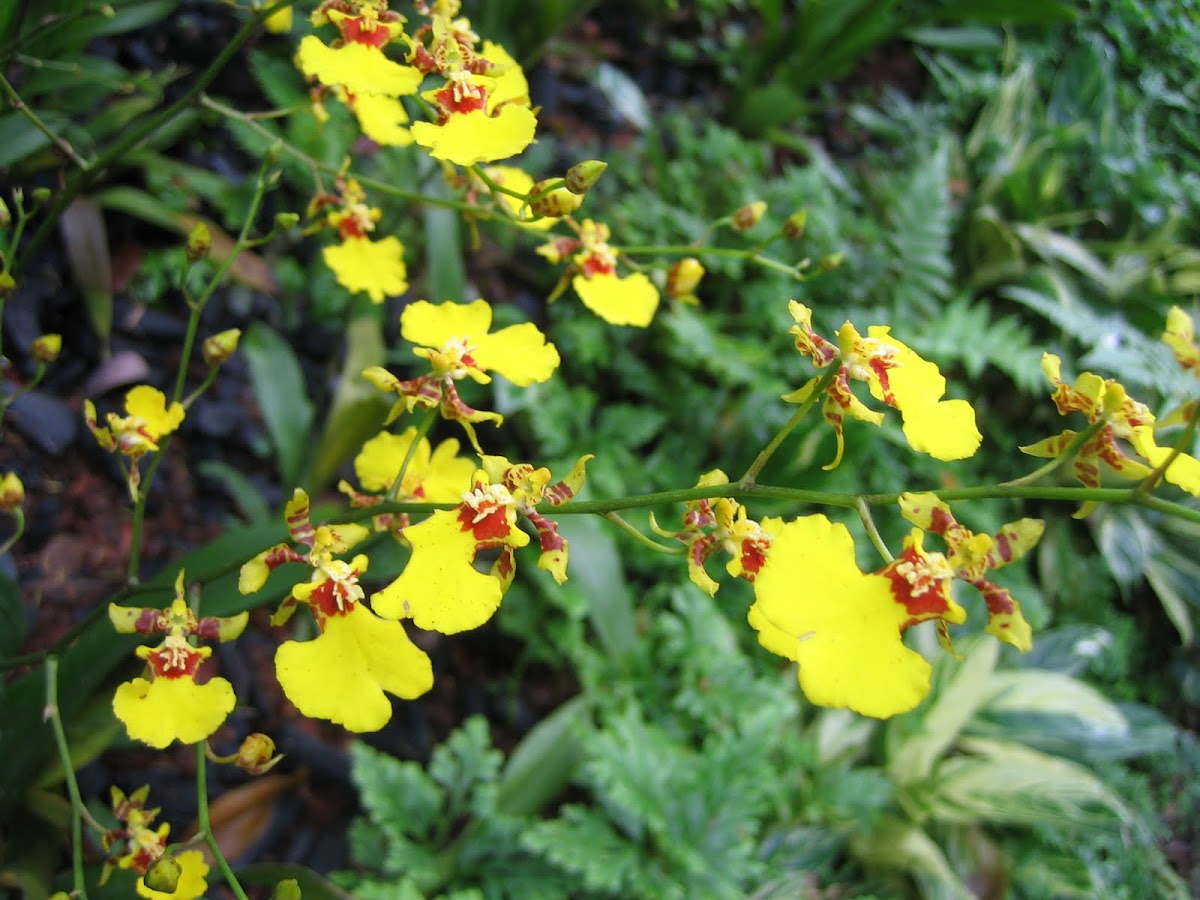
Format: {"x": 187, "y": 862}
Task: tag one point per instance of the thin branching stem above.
{"x": 422, "y": 429}
{"x": 64, "y": 754}
{"x": 205, "y": 823}
{"x": 644, "y": 540}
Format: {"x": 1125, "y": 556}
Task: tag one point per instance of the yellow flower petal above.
{"x": 1184, "y": 471}
{"x": 342, "y": 674}
{"x": 379, "y": 461}
{"x": 173, "y": 709}
{"x": 631, "y": 300}
{"x": 510, "y": 86}
{"x": 474, "y": 137}
{"x": 192, "y": 867}
{"x": 517, "y": 180}
{"x": 150, "y": 405}
{"x": 520, "y": 353}
{"x": 356, "y": 67}
{"x": 382, "y": 119}
{"x": 279, "y": 22}
{"x": 813, "y": 605}
{"x": 376, "y": 267}
{"x": 434, "y": 325}
{"x": 440, "y": 589}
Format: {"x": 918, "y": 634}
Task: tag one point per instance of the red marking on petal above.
{"x": 941, "y": 521}
{"x": 372, "y": 35}
{"x": 149, "y": 621}
{"x": 491, "y": 528}
{"x": 597, "y": 264}
{"x": 999, "y": 601}
{"x": 753, "y": 556}
{"x": 924, "y": 597}
{"x": 547, "y": 531}
{"x": 175, "y": 662}
{"x": 463, "y": 104}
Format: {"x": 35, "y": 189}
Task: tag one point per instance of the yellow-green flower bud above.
{"x": 199, "y": 242}
{"x": 7, "y": 285}
{"x": 46, "y": 348}
{"x": 582, "y": 176}
{"x": 40, "y": 195}
{"x": 286, "y": 220}
{"x": 749, "y": 215}
{"x": 5, "y": 215}
{"x": 163, "y": 874}
{"x": 555, "y": 203}
{"x": 796, "y": 223}
{"x": 220, "y": 347}
{"x": 831, "y": 262}
{"x": 257, "y": 754}
{"x": 288, "y": 889}
{"x": 682, "y": 279}
{"x": 12, "y": 492}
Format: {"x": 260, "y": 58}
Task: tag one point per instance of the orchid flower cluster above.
{"x": 464, "y": 519}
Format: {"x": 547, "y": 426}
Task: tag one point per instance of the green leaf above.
{"x": 913, "y": 756}
{"x": 1009, "y": 12}
{"x": 282, "y": 397}
{"x": 358, "y": 410}
{"x": 585, "y": 845}
{"x": 13, "y": 623}
{"x": 398, "y": 796}
{"x": 466, "y": 766}
{"x": 596, "y": 568}
{"x": 545, "y": 761}
{"x": 86, "y": 241}
{"x": 238, "y": 488}
{"x": 446, "y": 278}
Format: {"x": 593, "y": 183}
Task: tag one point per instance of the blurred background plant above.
{"x": 992, "y": 179}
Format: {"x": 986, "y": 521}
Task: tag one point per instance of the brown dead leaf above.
{"x": 241, "y": 816}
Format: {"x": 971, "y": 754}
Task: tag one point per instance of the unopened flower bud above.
{"x": 831, "y": 262}
{"x": 12, "y": 492}
{"x": 46, "y": 348}
{"x": 582, "y": 176}
{"x": 199, "y": 242}
{"x": 40, "y": 195}
{"x": 7, "y": 285}
{"x": 279, "y": 22}
{"x": 555, "y": 203}
{"x": 682, "y": 279}
{"x": 749, "y": 215}
{"x": 274, "y": 154}
{"x": 163, "y": 874}
{"x": 795, "y": 224}
{"x": 257, "y": 754}
{"x": 288, "y": 889}
{"x": 5, "y": 215}
{"x": 286, "y": 220}
{"x": 220, "y": 347}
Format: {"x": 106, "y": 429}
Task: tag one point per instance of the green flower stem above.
{"x": 54, "y": 137}
{"x": 494, "y": 186}
{"x": 1147, "y": 484}
{"x": 864, "y": 513}
{"x": 1068, "y": 454}
{"x": 761, "y": 460}
{"x": 64, "y": 755}
{"x": 196, "y": 310}
{"x": 19, "y": 515}
{"x": 750, "y": 255}
{"x": 81, "y": 180}
{"x": 422, "y": 429}
{"x": 642, "y": 539}
{"x": 231, "y": 881}
{"x": 383, "y": 187}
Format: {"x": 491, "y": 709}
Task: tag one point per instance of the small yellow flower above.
{"x": 815, "y": 606}
{"x": 619, "y": 300}
{"x": 720, "y": 524}
{"x": 346, "y": 672}
{"x": 1180, "y": 336}
{"x": 172, "y": 705}
{"x": 895, "y": 375}
{"x": 46, "y": 348}
{"x": 972, "y": 555}
{"x": 455, "y": 339}
{"x": 148, "y": 420}
{"x": 483, "y": 108}
{"x": 440, "y": 589}
{"x": 358, "y": 63}
{"x": 359, "y": 263}
{"x": 1124, "y": 419}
